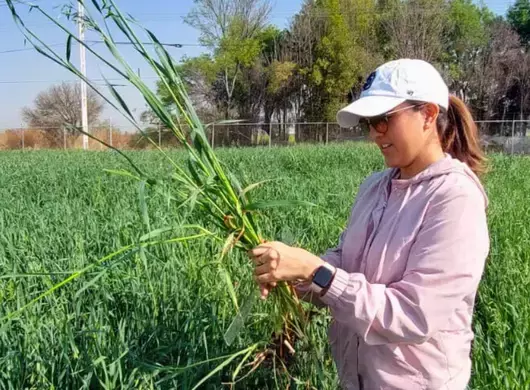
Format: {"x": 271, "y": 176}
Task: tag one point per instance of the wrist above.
{"x": 322, "y": 278}
{"x": 312, "y": 264}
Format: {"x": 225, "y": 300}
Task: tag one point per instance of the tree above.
{"x": 199, "y": 75}
{"x": 205, "y": 82}
{"x": 280, "y": 88}
{"x": 416, "y": 28}
{"x": 306, "y": 31}
{"x": 60, "y": 106}
{"x": 467, "y": 26}
{"x": 361, "y": 19}
{"x": 519, "y": 18}
{"x": 265, "y": 87}
{"x": 490, "y": 75}
{"x": 468, "y": 34}
{"x": 334, "y": 69}
{"x": 333, "y": 44}
{"x": 230, "y": 29}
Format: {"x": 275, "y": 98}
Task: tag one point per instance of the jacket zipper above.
{"x": 363, "y": 262}
{"x": 359, "y": 378}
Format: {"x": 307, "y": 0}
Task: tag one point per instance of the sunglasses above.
{"x": 380, "y": 123}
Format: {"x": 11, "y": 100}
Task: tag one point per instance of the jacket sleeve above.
{"x": 445, "y": 265}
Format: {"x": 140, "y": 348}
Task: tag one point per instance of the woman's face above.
{"x": 407, "y": 135}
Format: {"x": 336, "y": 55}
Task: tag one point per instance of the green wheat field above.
{"x": 156, "y": 318}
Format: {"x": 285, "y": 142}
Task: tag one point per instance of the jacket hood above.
{"x": 441, "y": 167}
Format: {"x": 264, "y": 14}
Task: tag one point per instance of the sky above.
{"x": 23, "y": 74}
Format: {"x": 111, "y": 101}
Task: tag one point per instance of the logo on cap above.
{"x": 369, "y": 81}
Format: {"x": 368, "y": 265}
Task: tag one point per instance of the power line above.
{"x": 4, "y": 4}
{"x": 176, "y": 45}
{"x": 28, "y": 48}
{"x": 69, "y": 81}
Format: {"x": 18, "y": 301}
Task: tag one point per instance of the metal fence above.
{"x": 58, "y": 138}
{"x": 511, "y": 137}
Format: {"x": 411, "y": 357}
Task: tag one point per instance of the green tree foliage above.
{"x": 468, "y": 33}
{"x": 519, "y": 17}
{"x": 467, "y": 26}
{"x": 231, "y": 29}
{"x": 256, "y": 72}
{"x": 335, "y": 66}
{"x": 343, "y": 43}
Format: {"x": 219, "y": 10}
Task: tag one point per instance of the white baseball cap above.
{"x": 394, "y": 83}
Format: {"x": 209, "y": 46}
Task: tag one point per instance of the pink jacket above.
{"x": 409, "y": 265}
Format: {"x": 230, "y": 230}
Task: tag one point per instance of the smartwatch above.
{"x": 322, "y": 278}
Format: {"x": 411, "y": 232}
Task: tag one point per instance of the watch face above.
{"x": 323, "y": 277}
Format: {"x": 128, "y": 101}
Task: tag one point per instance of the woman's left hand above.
{"x": 277, "y": 262}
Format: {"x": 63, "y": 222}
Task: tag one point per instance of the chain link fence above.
{"x": 279, "y": 134}
{"x": 512, "y": 137}
{"x": 59, "y": 138}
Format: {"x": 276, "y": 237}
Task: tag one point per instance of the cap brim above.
{"x": 366, "y": 107}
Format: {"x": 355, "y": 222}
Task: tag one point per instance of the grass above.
{"x": 156, "y": 318}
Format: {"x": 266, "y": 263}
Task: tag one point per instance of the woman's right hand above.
{"x": 265, "y": 289}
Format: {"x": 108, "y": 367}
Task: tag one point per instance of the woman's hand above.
{"x": 277, "y": 262}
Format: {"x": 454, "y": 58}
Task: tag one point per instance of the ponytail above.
{"x": 459, "y": 135}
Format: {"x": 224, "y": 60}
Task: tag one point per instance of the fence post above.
{"x": 213, "y": 135}
{"x": 23, "y": 130}
{"x": 270, "y": 135}
{"x": 513, "y": 134}
{"x": 327, "y": 132}
{"x": 110, "y": 131}
{"x": 64, "y": 138}
{"x": 159, "y": 136}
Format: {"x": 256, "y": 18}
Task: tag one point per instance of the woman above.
{"x": 401, "y": 284}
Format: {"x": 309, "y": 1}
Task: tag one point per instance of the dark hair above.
{"x": 459, "y": 136}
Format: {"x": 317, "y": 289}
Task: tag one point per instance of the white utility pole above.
{"x": 82, "y": 65}
{"x": 110, "y": 131}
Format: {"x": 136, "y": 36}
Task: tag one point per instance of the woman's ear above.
{"x": 430, "y": 113}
